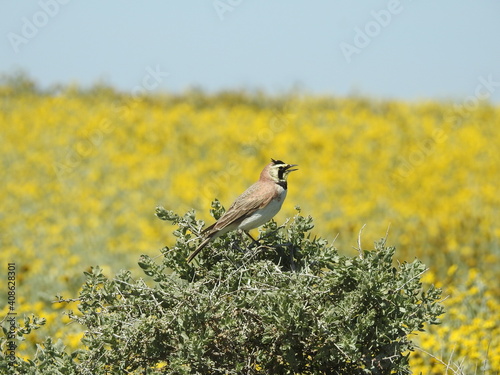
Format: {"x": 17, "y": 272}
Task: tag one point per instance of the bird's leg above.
{"x": 256, "y": 243}
{"x": 292, "y": 262}
{"x": 236, "y": 244}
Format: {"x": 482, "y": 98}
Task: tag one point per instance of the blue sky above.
{"x": 406, "y": 49}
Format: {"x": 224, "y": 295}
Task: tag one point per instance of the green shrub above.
{"x": 290, "y": 304}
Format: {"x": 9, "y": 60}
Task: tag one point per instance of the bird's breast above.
{"x": 264, "y": 214}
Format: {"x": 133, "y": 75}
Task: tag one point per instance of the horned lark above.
{"x": 256, "y": 206}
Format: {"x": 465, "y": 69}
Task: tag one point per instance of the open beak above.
{"x": 291, "y": 166}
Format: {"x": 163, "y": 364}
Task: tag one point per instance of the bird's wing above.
{"x": 254, "y": 198}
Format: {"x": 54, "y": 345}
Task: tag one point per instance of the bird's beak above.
{"x": 291, "y": 166}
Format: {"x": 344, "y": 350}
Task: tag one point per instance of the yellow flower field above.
{"x": 84, "y": 171}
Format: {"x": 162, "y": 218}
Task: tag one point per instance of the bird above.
{"x": 255, "y": 207}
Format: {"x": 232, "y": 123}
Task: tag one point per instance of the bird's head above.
{"x": 278, "y": 170}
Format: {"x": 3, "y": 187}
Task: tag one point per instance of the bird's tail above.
{"x": 199, "y": 248}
